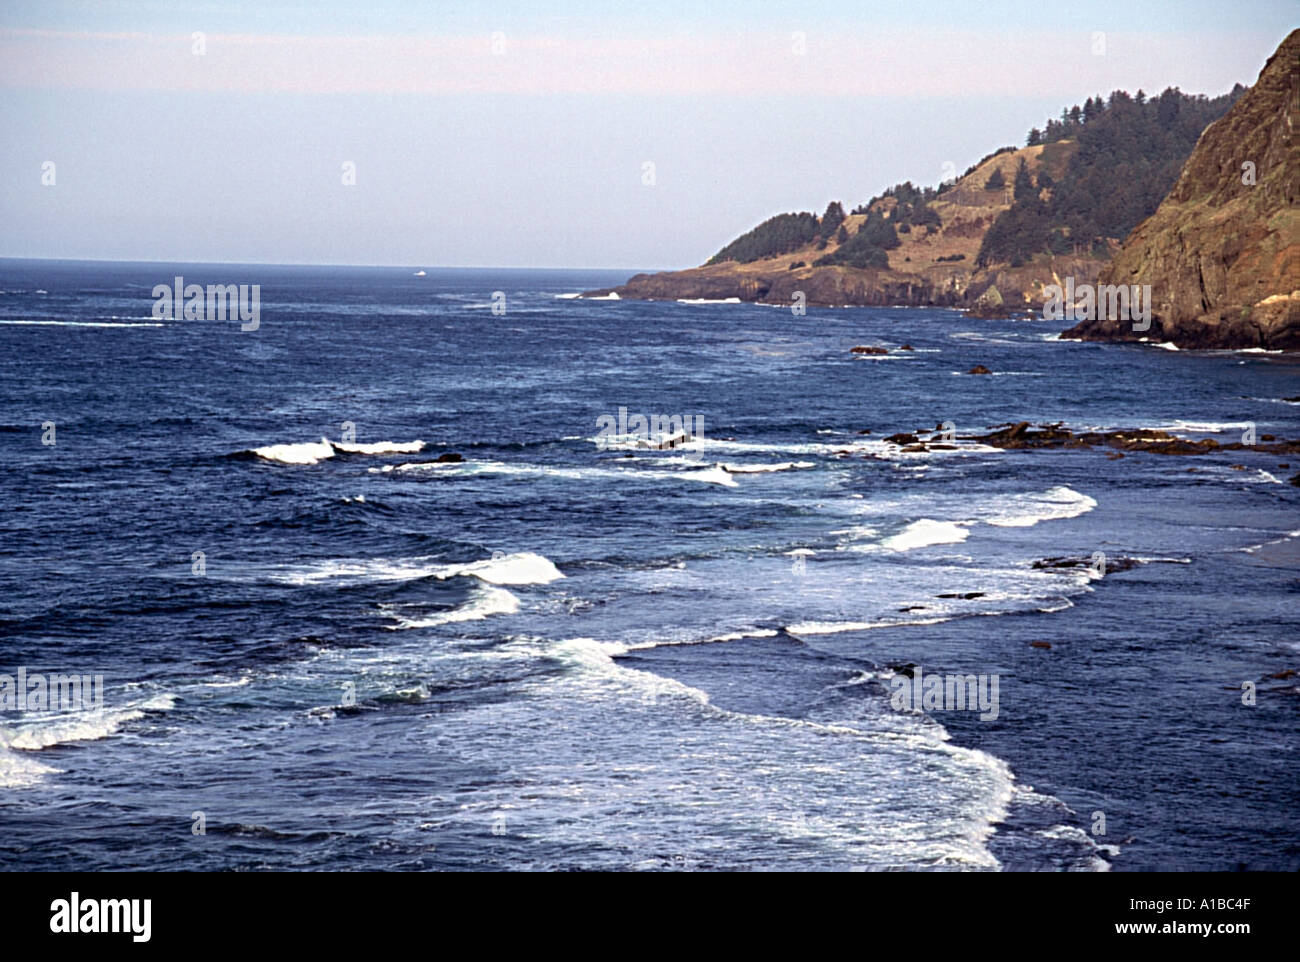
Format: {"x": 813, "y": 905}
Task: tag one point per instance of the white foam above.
{"x": 836, "y": 627}
{"x": 380, "y": 447}
{"x": 741, "y": 635}
{"x": 523, "y": 568}
{"x": 708, "y": 300}
{"x": 83, "y": 726}
{"x": 1026, "y": 510}
{"x": 658, "y": 441}
{"x": 766, "y": 468}
{"x": 243, "y": 682}
{"x": 618, "y": 648}
{"x": 713, "y": 475}
{"x": 310, "y": 452}
{"x": 19, "y": 771}
{"x": 872, "y": 447}
{"x": 925, "y": 532}
{"x": 415, "y": 466}
{"x": 1267, "y": 544}
{"x": 486, "y": 602}
{"x": 844, "y": 789}
{"x": 858, "y": 532}
{"x": 1204, "y": 427}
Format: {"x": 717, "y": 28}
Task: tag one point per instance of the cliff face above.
{"x": 929, "y": 267}
{"x": 1222, "y": 254}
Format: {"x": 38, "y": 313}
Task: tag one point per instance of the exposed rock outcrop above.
{"x": 1021, "y": 436}
{"x": 1222, "y": 252}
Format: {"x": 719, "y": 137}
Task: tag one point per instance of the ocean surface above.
{"x": 324, "y": 649}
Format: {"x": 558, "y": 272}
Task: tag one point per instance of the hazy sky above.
{"x": 519, "y": 134}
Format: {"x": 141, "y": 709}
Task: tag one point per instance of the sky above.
{"x": 538, "y": 134}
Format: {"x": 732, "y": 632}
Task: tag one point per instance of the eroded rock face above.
{"x": 1222, "y": 255}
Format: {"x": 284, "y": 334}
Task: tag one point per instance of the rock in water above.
{"x": 979, "y": 369}
{"x": 1222, "y": 252}
{"x": 990, "y": 306}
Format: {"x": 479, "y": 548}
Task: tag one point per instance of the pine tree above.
{"x": 1024, "y": 182}
{"x": 832, "y": 219}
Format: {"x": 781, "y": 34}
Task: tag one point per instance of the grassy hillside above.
{"x": 1017, "y": 220}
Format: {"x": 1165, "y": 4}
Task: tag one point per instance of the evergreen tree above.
{"x": 1024, "y": 181}
{"x": 1130, "y": 152}
{"x": 777, "y": 235}
{"x": 879, "y": 232}
{"x": 1167, "y": 107}
{"x": 832, "y": 219}
{"x": 859, "y": 251}
{"x": 924, "y": 216}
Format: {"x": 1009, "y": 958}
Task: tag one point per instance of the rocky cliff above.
{"x": 1222, "y": 252}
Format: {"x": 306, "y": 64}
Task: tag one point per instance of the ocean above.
{"x": 323, "y": 648}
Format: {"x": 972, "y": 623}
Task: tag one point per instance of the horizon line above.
{"x": 422, "y": 267}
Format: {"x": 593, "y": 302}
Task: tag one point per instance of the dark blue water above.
{"x": 564, "y": 654}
